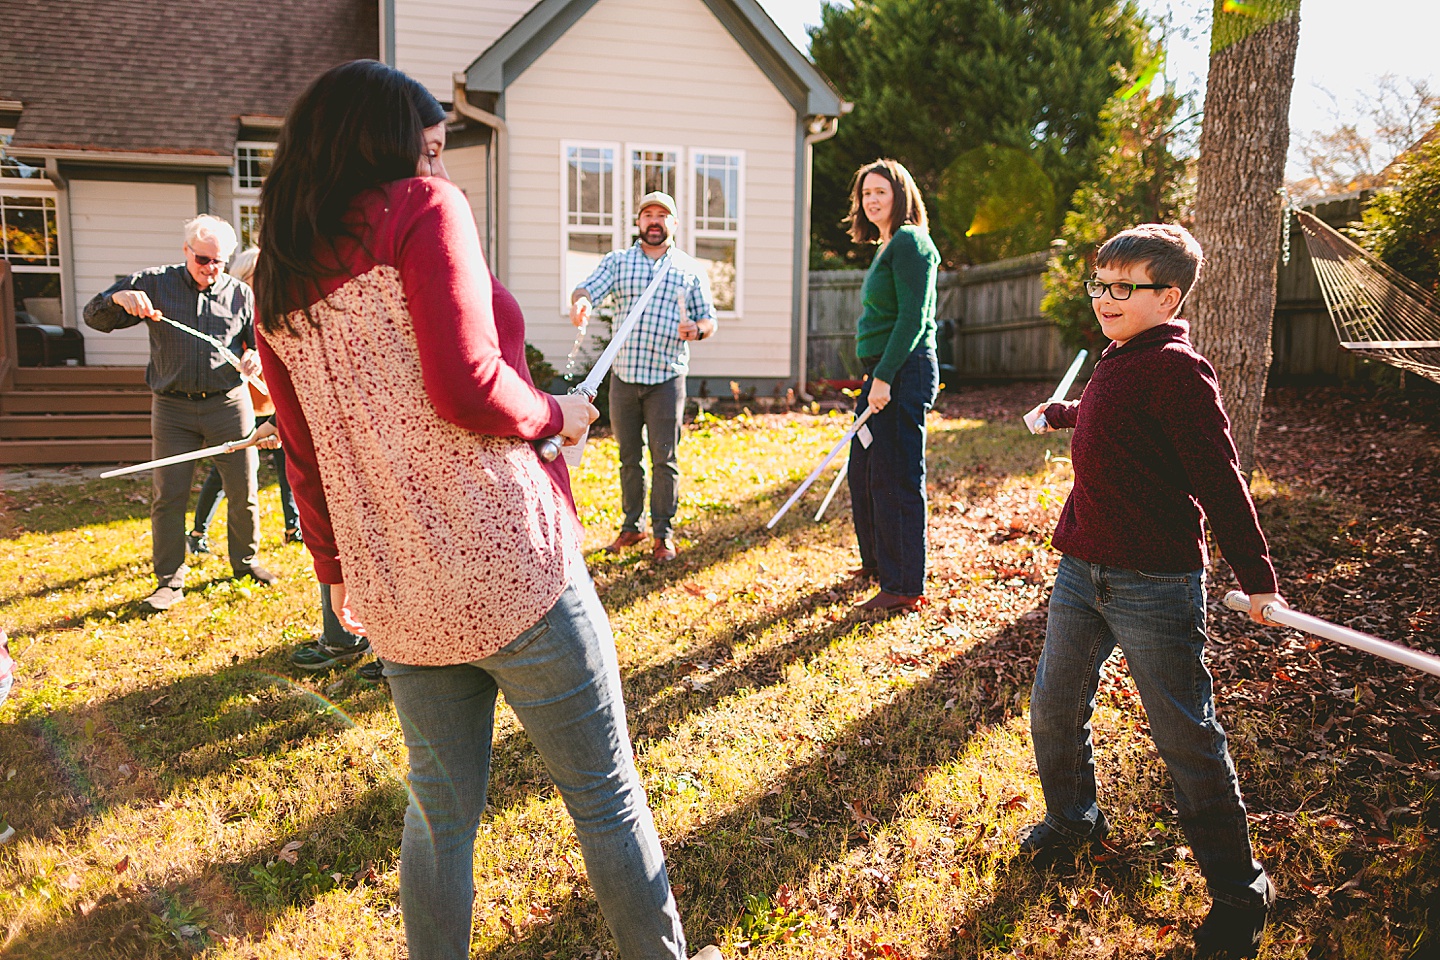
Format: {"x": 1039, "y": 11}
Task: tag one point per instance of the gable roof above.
{"x": 797, "y": 79}
{"x": 167, "y": 77}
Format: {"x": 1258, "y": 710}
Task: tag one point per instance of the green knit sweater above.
{"x": 898, "y": 301}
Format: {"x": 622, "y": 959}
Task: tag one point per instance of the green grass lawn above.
{"x": 827, "y": 785}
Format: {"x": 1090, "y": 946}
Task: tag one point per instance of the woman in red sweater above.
{"x": 397, "y": 365}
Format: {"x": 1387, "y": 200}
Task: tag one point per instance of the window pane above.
{"x": 718, "y": 258}
{"x": 38, "y": 296}
{"x": 717, "y": 191}
{"x": 28, "y": 226}
{"x": 652, "y": 170}
{"x": 13, "y": 166}
{"x": 582, "y": 256}
{"x": 248, "y": 225}
{"x": 590, "y": 185}
{"x": 252, "y": 166}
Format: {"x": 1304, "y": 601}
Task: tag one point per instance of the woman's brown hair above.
{"x": 908, "y": 207}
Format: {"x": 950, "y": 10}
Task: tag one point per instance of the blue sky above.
{"x": 1344, "y": 47}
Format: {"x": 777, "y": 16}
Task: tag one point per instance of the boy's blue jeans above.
{"x": 562, "y": 680}
{"x": 1158, "y": 621}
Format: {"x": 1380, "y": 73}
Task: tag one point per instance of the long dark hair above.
{"x": 907, "y": 208}
{"x": 359, "y": 125}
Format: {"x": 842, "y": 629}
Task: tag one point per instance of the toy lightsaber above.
{"x": 551, "y": 447}
{"x": 216, "y": 450}
{"x": 834, "y": 486}
{"x": 226, "y": 353}
{"x": 1399, "y": 653}
{"x": 834, "y": 452}
{"x": 1066, "y": 383}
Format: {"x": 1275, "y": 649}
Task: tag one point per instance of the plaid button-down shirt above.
{"x": 179, "y": 361}
{"x": 654, "y": 352}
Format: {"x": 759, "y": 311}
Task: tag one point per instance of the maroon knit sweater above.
{"x": 1153, "y": 458}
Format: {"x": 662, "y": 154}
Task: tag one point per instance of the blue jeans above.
{"x": 1158, "y": 621}
{"x": 562, "y": 680}
{"x": 887, "y": 479}
{"x": 658, "y": 409}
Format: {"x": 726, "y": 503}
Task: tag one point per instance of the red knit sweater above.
{"x": 1153, "y": 458}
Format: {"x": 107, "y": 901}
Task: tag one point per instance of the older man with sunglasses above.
{"x": 200, "y": 399}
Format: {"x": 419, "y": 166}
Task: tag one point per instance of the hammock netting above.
{"x": 1377, "y": 311}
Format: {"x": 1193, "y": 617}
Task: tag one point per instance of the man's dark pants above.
{"x": 659, "y": 409}
{"x": 179, "y": 425}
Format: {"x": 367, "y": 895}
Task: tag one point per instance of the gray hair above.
{"x": 243, "y": 266}
{"x": 206, "y": 226}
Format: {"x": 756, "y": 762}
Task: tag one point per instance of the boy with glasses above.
{"x": 1153, "y": 457}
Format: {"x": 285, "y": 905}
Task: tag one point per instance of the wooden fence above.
{"x": 992, "y": 328}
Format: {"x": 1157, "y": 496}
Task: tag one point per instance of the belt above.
{"x": 188, "y": 395}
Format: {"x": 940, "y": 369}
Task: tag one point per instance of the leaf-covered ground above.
{"x": 826, "y": 784}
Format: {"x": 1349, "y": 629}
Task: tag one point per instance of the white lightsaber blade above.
{"x": 1399, "y": 653}
{"x": 1066, "y": 383}
{"x": 216, "y": 450}
{"x": 834, "y": 452}
{"x": 225, "y": 352}
{"x": 551, "y": 447}
{"x": 834, "y": 486}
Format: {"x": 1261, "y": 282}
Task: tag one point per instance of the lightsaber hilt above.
{"x": 550, "y": 447}
{"x": 1062, "y": 390}
{"x": 1399, "y": 653}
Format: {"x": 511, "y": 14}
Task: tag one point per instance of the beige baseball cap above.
{"x": 660, "y": 198}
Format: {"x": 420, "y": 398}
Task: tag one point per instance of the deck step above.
{"x": 78, "y": 378}
{"x": 38, "y": 452}
{"x": 75, "y": 401}
{"x": 75, "y": 426}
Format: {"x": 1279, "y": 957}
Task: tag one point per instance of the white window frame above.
{"x": 619, "y": 183}
{"x": 247, "y": 199}
{"x": 694, "y": 233}
{"x": 44, "y": 190}
{"x": 678, "y": 195}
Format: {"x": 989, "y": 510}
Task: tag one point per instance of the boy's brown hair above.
{"x": 908, "y": 206}
{"x": 1167, "y": 251}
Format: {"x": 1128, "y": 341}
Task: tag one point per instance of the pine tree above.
{"x": 993, "y": 105}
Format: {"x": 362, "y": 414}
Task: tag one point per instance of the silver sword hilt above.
{"x": 549, "y": 448}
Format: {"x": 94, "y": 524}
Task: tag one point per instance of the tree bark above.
{"x": 1238, "y": 203}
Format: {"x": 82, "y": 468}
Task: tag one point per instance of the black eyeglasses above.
{"x": 206, "y": 261}
{"x": 1120, "y": 289}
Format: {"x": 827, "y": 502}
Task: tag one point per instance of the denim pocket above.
{"x": 535, "y": 632}
{"x": 1163, "y": 577}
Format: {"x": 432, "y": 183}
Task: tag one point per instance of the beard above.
{"x": 655, "y": 234}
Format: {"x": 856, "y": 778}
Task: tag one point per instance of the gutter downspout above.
{"x": 827, "y": 130}
{"x": 498, "y": 203}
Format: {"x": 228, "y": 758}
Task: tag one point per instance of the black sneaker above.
{"x": 372, "y": 672}
{"x": 1233, "y": 933}
{"x": 258, "y": 574}
{"x": 162, "y": 599}
{"x": 319, "y": 655}
{"x": 1045, "y": 845}
{"x": 197, "y": 542}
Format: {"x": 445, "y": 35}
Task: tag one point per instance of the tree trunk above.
{"x": 1238, "y": 204}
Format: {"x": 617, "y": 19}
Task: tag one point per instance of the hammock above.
{"x": 1376, "y": 310}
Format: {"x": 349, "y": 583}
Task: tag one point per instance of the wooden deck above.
{"x": 58, "y": 415}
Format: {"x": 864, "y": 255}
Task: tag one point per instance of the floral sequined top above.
{"x": 408, "y": 415}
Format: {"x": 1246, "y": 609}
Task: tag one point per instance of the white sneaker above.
{"x": 711, "y": 952}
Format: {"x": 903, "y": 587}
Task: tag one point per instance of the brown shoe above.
{"x": 627, "y": 538}
{"x": 664, "y": 550}
{"x": 863, "y": 574}
{"x": 890, "y": 603}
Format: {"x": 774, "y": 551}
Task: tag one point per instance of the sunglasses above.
{"x": 206, "y": 261}
{"x": 1120, "y": 289}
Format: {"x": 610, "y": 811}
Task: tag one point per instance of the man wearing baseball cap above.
{"x": 647, "y": 382}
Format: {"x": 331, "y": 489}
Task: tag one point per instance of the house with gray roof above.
{"x": 119, "y": 121}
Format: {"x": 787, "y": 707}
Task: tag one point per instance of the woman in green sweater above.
{"x": 895, "y": 340}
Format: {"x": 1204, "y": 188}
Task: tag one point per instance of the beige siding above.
{"x": 610, "y": 79}
{"x": 436, "y": 38}
{"x": 466, "y": 166}
{"x": 119, "y": 228}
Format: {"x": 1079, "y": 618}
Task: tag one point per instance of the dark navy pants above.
{"x": 887, "y": 479}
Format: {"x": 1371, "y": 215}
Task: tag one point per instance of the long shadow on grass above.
{"x": 64, "y": 508}
{"x": 69, "y": 584}
{"x": 839, "y": 798}
{"x": 952, "y": 453}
